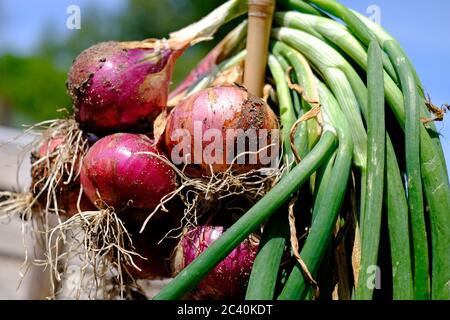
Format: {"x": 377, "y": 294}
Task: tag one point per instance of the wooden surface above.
{"x": 12, "y": 257}
{"x": 14, "y": 154}
{"x": 14, "y": 176}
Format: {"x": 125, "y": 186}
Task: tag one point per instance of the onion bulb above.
{"x": 121, "y": 86}
{"x": 228, "y": 280}
{"x": 116, "y": 171}
{"x": 208, "y": 130}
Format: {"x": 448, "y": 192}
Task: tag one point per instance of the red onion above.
{"x": 68, "y": 202}
{"x": 121, "y": 86}
{"x": 124, "y": 86}
{"x": 155, "y": 251}
{"x": 67, "y": 195}
{"x": 224, "y": 109}
{"x": 48, "y": 146}
{"x": 228, "y": 280}
{"x": 114, "y": 170}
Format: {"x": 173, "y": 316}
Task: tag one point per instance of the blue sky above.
{"x": 423, "y": 29}
{"x": 22, "y": 21}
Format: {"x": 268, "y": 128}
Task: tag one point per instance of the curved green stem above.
{"x": 327, "y": 210}
{"x": 264, "y": 276}
{"x": 265, "y": 268}
{"x": 375, "y": 168}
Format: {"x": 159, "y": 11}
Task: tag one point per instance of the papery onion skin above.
{"x": 226, "y": 107}
{"x": 228, "y": 280}
{"x": 121, "y": 86}
{"x": 115, "y": 172}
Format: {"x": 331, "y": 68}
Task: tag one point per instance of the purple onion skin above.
{"x": 226, "y": 107}
{"x": 113, "y": 169}
{"x": 114, "y": 90}
{"x": 153, "y": 248}
{"x": 228, "y": 280}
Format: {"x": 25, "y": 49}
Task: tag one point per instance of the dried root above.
{"x": 56, "y": 157}
{"x": 15, "y": 204}
{"x": 56, "y": 161}
{"x": 97, "y": 245}
{"x": 200, "y": 195}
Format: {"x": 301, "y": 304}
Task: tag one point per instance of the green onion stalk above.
{"x": 306, "y": 80}
{"x": 413, "y": 170}
{"x": 262, "y": 282}
{"x": 339, "y": 76}
{"x": 394, "y": 97}
{"x": 333, "y": 33}
{"x": 327, "y": 211}
{"x": 324, "y": 55}
{"x": 375, "y": 167}
{"x": 401, "y": 263}
{"x": 433, "y": 170}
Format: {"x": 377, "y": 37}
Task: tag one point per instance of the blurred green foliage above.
{"x": 34, "y": 86}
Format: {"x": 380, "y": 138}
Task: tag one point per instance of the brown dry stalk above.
{"x": 438, "y": 113}
{"x": 233, "y": 74}
{"x": 295, "y": 250}
{"x": 260, "y": 15}
{"x": 267, "y": 92}
{"x": 314, "y": 112}
{"x": 356, "y": 250}
{"x": 159, "y": 125}
{"x": 344, "y": 287}
{"x": 299, "y": 89}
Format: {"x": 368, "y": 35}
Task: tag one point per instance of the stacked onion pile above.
{"x": 118, "y": 91}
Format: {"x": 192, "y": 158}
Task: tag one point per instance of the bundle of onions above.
{"x": 216, "y": 149}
